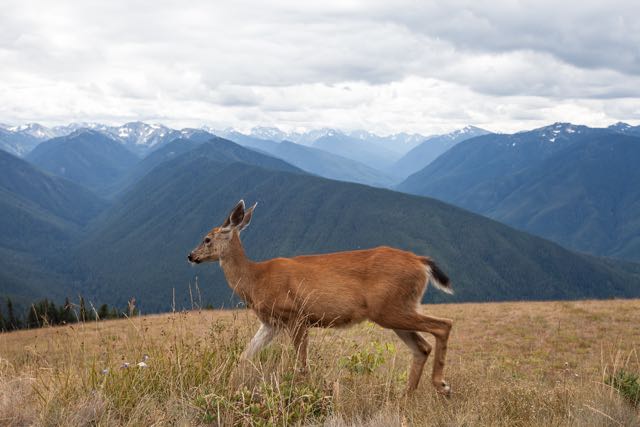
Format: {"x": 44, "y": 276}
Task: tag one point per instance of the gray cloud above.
{"x": 593, "y": 34}
{"x": 408, "y": 66}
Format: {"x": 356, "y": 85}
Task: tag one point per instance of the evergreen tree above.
{"x": 103, "y": 312}
{"x": 33, "y": 316}
{"x": 3, "y": 323}
{"x": 44, "y": 312}
{"x": 66, "y": 314}
{"x": 83, "y": 311}
{"x": 14, "y": 322}
{"x": 53, "y": 316}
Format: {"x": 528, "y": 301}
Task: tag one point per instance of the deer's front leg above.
{"x": 264, "y": 336}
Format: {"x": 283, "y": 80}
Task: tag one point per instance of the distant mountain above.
{"x": 34, "y": 130}
{"x": 328, "y": 165}
{"x": 16, "y": 143}
{"x": 315, "y": 161}
{"x": 432, "y": 147}
{"x": 575, "y": 185}
{"x": 213, "y": 147}
{"x": 138, "y": 246}
{"x": 70, "y": 128}
{"x": 86, "y": 157}
{"x": 398, "y": 143}
{"x": 20, "y": 140}
{"x": 493, "y": 156}
{"x": 140, "y": 138}
{"x": 272, "y": 134}
{"x": 40, "y": 215}
{"x": 309, "y": 137}
{"x": 373, "y": 155}
{"x": 251, "y": 141}
{"x": 625, "y": 128}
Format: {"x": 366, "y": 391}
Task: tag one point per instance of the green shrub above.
{"x": 628, "y": 384}
{"x": 368, "y": 359}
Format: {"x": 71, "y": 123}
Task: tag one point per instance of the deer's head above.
{"x": 215, "y": 244}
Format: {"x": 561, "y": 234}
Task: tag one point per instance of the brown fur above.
{"x": 384, "y": 285}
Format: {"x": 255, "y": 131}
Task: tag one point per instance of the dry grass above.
{"x": 510, "y": 364}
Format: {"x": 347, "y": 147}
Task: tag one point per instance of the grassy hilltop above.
{"x": 510, "y": 364}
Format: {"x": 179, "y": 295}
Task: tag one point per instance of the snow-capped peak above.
{"x": 467, "y": 131}
{"x": 362, "y": 135}
{"x": 72, "y": 127}
{"x": 461, "y": 134}
{"x": 269, "y": 133}
{"x": 620, "y": 127}
{"x": 562, "y": 130}
{"x": 35, "y": 130}
{"x": 140, "y": 133}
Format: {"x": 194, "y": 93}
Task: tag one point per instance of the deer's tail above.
{"x": 438, "y": 277}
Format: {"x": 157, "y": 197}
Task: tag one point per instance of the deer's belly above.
{"x": 318, "y": 313}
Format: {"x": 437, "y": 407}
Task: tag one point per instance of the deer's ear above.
{"x": 247, "y": 217}
{"x": 235, "y": 216}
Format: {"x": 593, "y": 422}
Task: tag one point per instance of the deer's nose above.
{"x": 190, "y": 257}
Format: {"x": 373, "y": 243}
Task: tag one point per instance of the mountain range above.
{"x": 430, "y": 149}
{"x": 149, "y": 229}
{"x": 141, "y": 138}
{"x": 17, "y": 143}
{"x": 316, "y": 161}
{"x": 367, "y": 149}
{"x": 86, "y": 157}
{"x": 134, "y": 244}
{"x": 399, "y": 142}
{"x": 138, "y": 137}
{"x": 576, "y": 185}
{"x": 356, "y": 156}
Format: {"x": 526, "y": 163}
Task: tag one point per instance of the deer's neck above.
{"x": 238, "y": 269}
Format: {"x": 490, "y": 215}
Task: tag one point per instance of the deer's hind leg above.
{"x": 420, "y": 349}
{"x": 438, "y": 327}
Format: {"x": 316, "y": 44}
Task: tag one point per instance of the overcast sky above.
{"x": 391, "y": 66}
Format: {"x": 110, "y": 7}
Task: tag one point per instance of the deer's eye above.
{"x": 207, "y": 239}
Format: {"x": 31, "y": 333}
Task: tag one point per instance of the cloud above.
{"x": 387, "y": 66}
{"x": 586, "y": 34}
{"x": 236, "y": 96}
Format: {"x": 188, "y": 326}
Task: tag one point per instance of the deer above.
{"x": 383, "y": 285}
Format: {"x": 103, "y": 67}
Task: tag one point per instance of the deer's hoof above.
{"x": 443, "y": 388}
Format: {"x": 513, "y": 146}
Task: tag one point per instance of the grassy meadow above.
{"x": 509, "y": 364}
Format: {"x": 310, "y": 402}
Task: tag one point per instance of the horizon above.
{"x": 249, "y": 130}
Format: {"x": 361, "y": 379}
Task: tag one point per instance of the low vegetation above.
{"x": 510, "y": 364}
{"x": 628, "y": 384}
